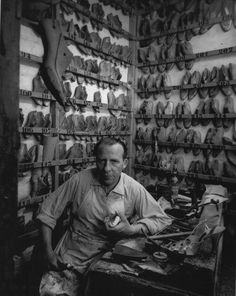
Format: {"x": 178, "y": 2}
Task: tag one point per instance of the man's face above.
{"x": 110, "y": 163}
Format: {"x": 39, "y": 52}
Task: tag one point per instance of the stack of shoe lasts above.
{"x": 230, "y": 154}
{"x": 89, "y": 149}
{"x": 144, "y": 30}
{"x": 185, "y": 80}
{"x": 213, "y": 136}
{"x": 105, "y": 70}
{"x": 203, "y": 92}
{"x": 102, "y": 124}
{"x": 37, "y": 119}
{"x": 224, "y": 76}
{"x": 195, "y": 167}
{"x": 147, "y": 156}
{"x": 207, "y": 110}
{"x": 232, "y": 69}
{"x": 188, "y": 140}
{"x": 194, "y": 79}
{"x": 161, "y": 137}
{"x": 126, "y": 53}
{"x": 79, "y": 124}
{"x": 186, "y": 49}
{"x": 226, "y": 11}
{"x": 142, "y": 86}
{"x": 112, "y": 124}
{"x": 172, "y": 23}
{"x": 178, "y": 117}
{"x": 42, "y": 177}
{"x": 98, "y": 11}
{"x": 39, "y": 86}
{"x": 91, "y": 124}
{"x": 152, "y": 56}
{"x": 140, "y": 133}
{"x": 168, "y": 110}
{"x": 115, "y": 23}
{"x": 115, "y": 73}
{"x": 63, "y": 124}
{"x": 215, "y": 167}
{"x": 81, "y": 94}
{"x": 146, "y": 108}
{"x": 171, "y": 138}
{"x": 139, "y": 154}
{"x": 229, "y": 169}
{"x": 159, "y": 111}
{"x": 215, "y": 75}
{"x": 74, "y": 152}
{"x": 180, "y": 138}
{"x": 228, "y": 108}
{"x": 96, "y": 42}
{"x": 197, "y": 139}
{"x": 23, "y": 155}
{"x": 142, "y": 58}
{"x": 198, "y": 111}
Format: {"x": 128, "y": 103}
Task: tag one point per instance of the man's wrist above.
{"x": 138, "y": 228}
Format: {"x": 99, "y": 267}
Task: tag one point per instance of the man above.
{"x": 98, "y": 196}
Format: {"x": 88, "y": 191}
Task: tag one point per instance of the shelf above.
{"x": 85, "y": 43}
{"x": 183, "y": 116}
{"x": 190, "y": 145}
{"x": 70, "y": 161}
{"x": 44, "y": 96}
{"x": 104, "y": 22}
{"x": 97, "y": 77}
{"x": 194, "y": 56}
{"x": 195, "y": 25}
{"x": 32, "y": 200}
{"x": 35, "y": 59}
{"x": 222, "y": 83}
{"x": 189, "y": 175}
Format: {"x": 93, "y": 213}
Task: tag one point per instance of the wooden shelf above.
{"x": 194, "y": 25}
{"x": 183, "y": 116}
{"x": 194, "y": 56}
{"x": 222, "y": 83}
{"x": 104, "y": 22}
{"x": 218, "y": 180}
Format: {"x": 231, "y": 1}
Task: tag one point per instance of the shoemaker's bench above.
{"x": 179, "y": 275}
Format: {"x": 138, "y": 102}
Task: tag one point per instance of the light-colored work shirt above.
{"x": 87, "y": 235}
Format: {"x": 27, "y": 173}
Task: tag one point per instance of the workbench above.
{"x": 186, "y": 275}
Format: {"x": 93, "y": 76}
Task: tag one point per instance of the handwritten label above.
{"x": 225, "y": 50}
{"x": 26, "y": 93}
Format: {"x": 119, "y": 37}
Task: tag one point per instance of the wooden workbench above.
{"x": 197, "y": 275}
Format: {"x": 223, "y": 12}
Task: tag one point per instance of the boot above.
{"x": 57, "y": 59}
{"x": 203, "y": 92}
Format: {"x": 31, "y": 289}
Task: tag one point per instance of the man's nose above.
{"x": 107, "y": 166}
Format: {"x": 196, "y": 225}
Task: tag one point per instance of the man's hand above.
{"x": 124, "y": 228}
{"x": 54, "y": 263}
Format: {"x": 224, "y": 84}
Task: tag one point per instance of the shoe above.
{"x": 166, "y": 81}
{"x": 161, "y": 67}
{"x": 179, "y": 56}
{"x": 214, "y": 109}
{"x": 195, "y": 79}
{"x": 207, "y": 110}
{"x": 179, "y": 111}
{"x": 186, "y": 48}
{"x": 228, "y": 108}
{"x": 197, "y": 139}
{"x": 203, "y": 92}
{"x": 217, "y": 140}
{"x": 227, "y": 9}
{"x": 180, "y": 138}
{"x": 215, "y": 74}
{"x": 209, "y": 140}
{"x": 187, "y": 111}
{"x": 198, "y": 111}
{"x": 223, "y": 76}
{"x": 189, "y": 140}
{"x": 168, "y": 110}
{"x": 185, "y": 81}
{"x": 152, "y": 57}
{"x": 159, "y": 111}
{"x": 171, "y": 138}
{"x": 39, "y": 86}
{"x": 232, "y": 71}
{"x": 170, "y": 53}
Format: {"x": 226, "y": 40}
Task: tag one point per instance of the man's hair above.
{"x": 108, "y": 141}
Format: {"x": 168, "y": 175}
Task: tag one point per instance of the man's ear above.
{"x": 125, "y": 163}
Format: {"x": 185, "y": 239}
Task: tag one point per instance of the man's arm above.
{"x": 52, "y": 259}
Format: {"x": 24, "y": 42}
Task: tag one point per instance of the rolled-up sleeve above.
{"x": 52, "y": 208}
{"x": 149, "y": 212}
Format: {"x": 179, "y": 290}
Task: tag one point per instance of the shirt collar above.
{"x": 119, "y": 189}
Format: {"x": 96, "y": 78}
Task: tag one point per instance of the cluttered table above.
{"x": 183, "y": 259}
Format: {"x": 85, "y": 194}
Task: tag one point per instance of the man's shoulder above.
{"x": 131, "y": 182}
{"x": 87, "y": 175}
